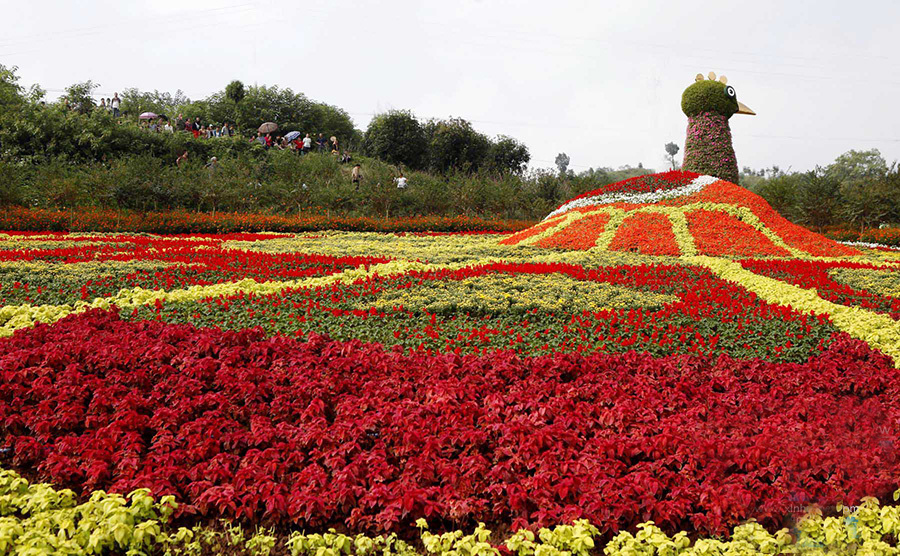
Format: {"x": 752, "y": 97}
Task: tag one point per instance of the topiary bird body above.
{"x": 708, "y": 104}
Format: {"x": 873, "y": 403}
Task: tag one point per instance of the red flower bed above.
{"x": 884, "y": 236}
{"x": 327, "y": 433}
{"x": 581, "y": 234}
{"x": 719, "y": 233}
{"x": 532, "y": 231}
{"x": 794, "y": 235}
{"x": 179, "y": 262}
{"x": 647, "y": 233}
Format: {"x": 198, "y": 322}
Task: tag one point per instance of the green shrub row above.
{"x": 279, "y": 182}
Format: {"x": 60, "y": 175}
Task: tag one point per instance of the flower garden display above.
{"x": 666, "y": 349}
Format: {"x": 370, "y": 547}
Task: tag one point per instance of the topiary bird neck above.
{"x": 708, "y": 149}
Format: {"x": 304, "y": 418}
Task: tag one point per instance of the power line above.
{"x": 85, "y": 31}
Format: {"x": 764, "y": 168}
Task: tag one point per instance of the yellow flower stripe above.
{"x": 879, "y": 331}
{"x": 682, "y": 235}
{"x": 616, "y": 216}
{"x": 14, "y": 317}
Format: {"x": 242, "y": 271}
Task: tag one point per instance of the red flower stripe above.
{"x": 647, "y": 233}
{"x": 718, "y": 233}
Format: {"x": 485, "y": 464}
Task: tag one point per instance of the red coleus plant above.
{"x": 326, "y": 433}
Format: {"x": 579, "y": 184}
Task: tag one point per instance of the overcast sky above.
{"x": 601, "y": 81}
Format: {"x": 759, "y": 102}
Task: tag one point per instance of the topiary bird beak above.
{"x": 744, "y": 109}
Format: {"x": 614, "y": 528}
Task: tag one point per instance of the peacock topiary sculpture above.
{"x": 708, "y": 104}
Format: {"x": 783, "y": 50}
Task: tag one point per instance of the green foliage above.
{"x": 290, "y": 110}
{"x": 235, "y": 91}
{"x": 135, "y": 102}
{"x": 454, "y": 144}
{"x": 562, "y": 163}
{"x": 11, "y": 93}
{"x": 80, "y": 96}
{"x": 816, "y": 198}
{"x": 397, "y": 137}
{"x": 708, "y": 96}
{"x": 858, "y": 188}
{"x": 508, "y": 155}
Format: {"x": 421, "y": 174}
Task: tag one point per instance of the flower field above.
{"x": 667, "y": 349}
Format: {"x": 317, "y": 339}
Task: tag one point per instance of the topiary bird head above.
{"x": 711, "y": 95}
{"x": 708, "y": 104}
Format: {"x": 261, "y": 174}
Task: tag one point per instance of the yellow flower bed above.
{"x": 884, "y": 282}
{"x": 507, "y": 293}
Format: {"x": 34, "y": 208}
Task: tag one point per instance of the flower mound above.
{"x": 676, "y": 213}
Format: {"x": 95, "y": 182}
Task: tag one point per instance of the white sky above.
{"x": 599, "y": 80}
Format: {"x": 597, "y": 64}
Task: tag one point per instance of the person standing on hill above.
{"x": 115, "y": 105}
{"x": 321, "y": 143}
{"x": 307, "y": 144}
{"x": 401, "y": 181}
{"x": 356, "y": 176}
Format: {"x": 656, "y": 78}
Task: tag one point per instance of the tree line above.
{"x": 859, "y": 189}
{"x": 73, "y": 129}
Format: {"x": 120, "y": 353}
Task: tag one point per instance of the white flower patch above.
{"x": 696, "y": 185}
{"x": 869, "y": 245}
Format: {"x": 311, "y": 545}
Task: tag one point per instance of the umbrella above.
{"x": 163, "y": 117}
{"x": 147, "y": 116}
{"x": 268, "y": 127}
{"x": 292, "y": 135}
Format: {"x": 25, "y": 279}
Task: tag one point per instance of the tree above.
{"x": 454, "y": 144}
{"x": 855, "y": 167}
{"x": 507, "y": 155}
{"x": 671, "y": 150}
{"x": 397, "y": 137}
{"x": 817, "y": 198}
{"x": 80, "y": 96}
{"x": 235, "y": 92}
{"x": 10, "y": 90}
{"x": 865, "y": 190}
{"x": 290, "y": 110}
{"x": 134, "y": 102}
{"x": 562, "y": 162}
